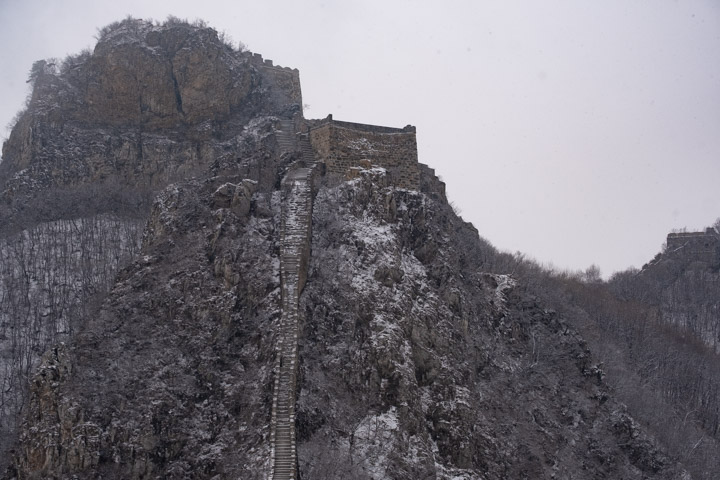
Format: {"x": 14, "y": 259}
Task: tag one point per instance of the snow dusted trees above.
{"x": 48, "y": 274}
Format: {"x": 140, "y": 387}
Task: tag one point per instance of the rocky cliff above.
{"x": 151, "y": 104}
{"x": 104, "y": 132}
{"x": 414, "y": 359}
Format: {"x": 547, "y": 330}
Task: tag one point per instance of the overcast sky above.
{"x": 577, "y": 132}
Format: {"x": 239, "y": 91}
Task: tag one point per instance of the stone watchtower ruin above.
{"x": 345, "y": 146}
{"x": 695, "y": 246}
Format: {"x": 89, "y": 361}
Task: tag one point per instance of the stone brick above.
{"x": 342, "y": 146}
{"x": 697, "y": 246}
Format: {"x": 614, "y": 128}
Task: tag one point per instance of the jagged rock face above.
{"x": 101, "y": 136}
{"x": 163, "y": 77}
{"x": 49, "y": 276}
{"x": 414, "y": 363}
{"x": 53, "y": 274}
{"x": 151, "y": 76}
{"x": 150, "y": 105}
{"x": 182, "y": 386}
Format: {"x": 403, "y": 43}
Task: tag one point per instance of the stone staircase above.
{"x": 294, "y": 254}
{"x": 308, "y": 156}
{"x": 285, "y": 135}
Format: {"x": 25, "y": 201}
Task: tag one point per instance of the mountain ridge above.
{"x": 418, "y": 355}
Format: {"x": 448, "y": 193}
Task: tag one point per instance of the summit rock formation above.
{"x": 260, "y": 295}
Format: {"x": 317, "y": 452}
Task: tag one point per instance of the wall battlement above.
{"x": 342, "y": 146}
{"x": 283, "y": 81}
{"x": 257, "y": 59}
{"x": 363, "y": 127}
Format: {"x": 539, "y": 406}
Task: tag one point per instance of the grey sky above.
{"x": 577, "y": 132}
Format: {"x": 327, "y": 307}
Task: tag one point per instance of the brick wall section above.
{"x": 698, "y": 246}
{"x": 430, "y": 183}
{"x": 344, "y": 145}
{"x": 283, "y": 81}
{"x": 287, "y": 81}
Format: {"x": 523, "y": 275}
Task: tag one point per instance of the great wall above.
{"x": 294, "y": 255}
{"x": 695, "y": 246}
{"x": 336, "y": 148}
{"x": 342, "y": 149}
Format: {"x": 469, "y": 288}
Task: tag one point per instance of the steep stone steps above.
{"x": 285, "y": 135}
{"x": 308, "y": 155}
{"x": 294, "y": 252}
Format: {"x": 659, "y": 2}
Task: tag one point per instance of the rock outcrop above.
{"x": 150, "y": 105}
{"x": 103, "y": 134}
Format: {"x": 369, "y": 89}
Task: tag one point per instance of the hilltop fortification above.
{"x": 695, "y": 246}
{"x": 283, "y": 82}
{"x": 269, "y": 321}
{"x": 153, "y": 104}
{"x": 344, "y": 146}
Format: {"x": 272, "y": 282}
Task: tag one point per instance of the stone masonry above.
{"x": 341, "y": 146}
{"x": 294, "y": 255}
{"x": 282, "y": 82}
{"x": 695, "y": 246}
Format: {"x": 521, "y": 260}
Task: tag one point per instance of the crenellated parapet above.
{"x": 342, "y": 146}
{"x": 284, "y": 81}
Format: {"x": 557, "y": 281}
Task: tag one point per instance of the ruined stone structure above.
{"x": 283, "y": 82}
{"x": 343, "y": 146}
{"x": 695, "y": 246}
